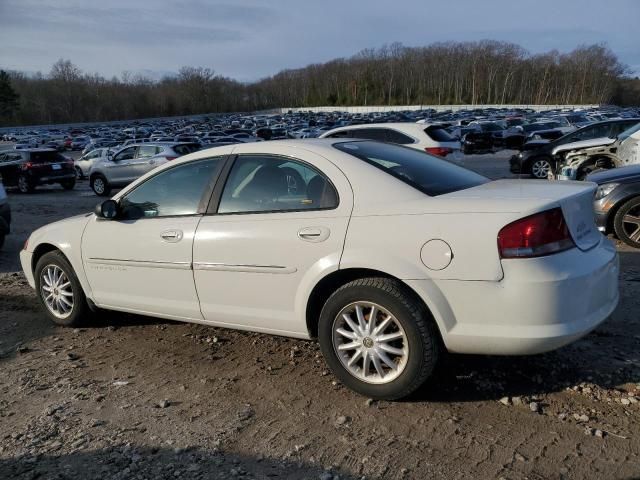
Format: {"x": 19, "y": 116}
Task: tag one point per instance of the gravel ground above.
{"x": 134, "y": 397}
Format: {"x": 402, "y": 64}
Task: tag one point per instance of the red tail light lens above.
{"x": 439, "y": 151}
{"x": 27, "y": 166}
{"x": 535, "y": 236}
{"x": 171, "y": 158}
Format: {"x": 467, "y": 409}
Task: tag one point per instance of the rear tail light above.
{"x": 171, "y": 158}
{"x": 439, "y": 151}
{"x": 27, "y": 166}
{"x": 537, "y": 235}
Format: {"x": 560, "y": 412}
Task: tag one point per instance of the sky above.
{"x": 250, "y": 39}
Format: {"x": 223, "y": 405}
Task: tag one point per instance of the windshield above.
{"x": 628, "y": 132}
{"x": 431, "y": 175}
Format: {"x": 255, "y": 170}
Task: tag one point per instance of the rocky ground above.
{"x": 133, "y": 397}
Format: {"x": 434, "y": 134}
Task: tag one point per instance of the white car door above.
{"x": 281, "y": 221}
{"x": 119, "y": 170}
{"x": 141, "y": 261}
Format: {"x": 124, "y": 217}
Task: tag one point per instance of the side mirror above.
{"x": 108, "y": 210}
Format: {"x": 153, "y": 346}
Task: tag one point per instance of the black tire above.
{"x": 25, "y": 185}
{"x": 68, "y": 184}
{"x": 627, "y": 235}
{"x": 421, "y": 335}
{"x": 80, "y": 309}
{"x": 2, "y": 237}
{"x": 101, "y": 189}
{"x": 538, "y": 166}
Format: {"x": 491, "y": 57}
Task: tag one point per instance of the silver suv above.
{"x": 127, "y": 164}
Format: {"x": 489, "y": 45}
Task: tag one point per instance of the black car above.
{"x": 27, "y": 169}
{"x": 617, "y": 203}
{"x": 536, "y": 160}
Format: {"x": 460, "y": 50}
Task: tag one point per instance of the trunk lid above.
{"x": 532, "y": 196}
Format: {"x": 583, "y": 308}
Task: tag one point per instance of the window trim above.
{"x": 214, "y": 204}
{"x": 204, "y": 199}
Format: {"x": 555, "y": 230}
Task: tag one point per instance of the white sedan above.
{"x": 384, "y": 253}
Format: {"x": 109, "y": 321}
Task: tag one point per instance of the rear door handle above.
{"x": 172, "y": 236}
{"x": 314, "y": 234}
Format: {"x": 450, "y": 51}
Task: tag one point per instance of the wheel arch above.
{"x": 611, "y": 216}
{"x": 334, "y": 280}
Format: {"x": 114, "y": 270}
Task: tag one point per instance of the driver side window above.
{"x": 175, "y": 191}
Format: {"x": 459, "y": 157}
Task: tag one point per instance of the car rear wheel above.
{"x": 100, "y": 186}
{"x": 378, "y": 338}
{"x": 59, "y": 290}
{"x": 541, "y": 168}
{"x": 68, "y": 184}
{"x": 626, "y": 223}
{"x": 25, "y": 185}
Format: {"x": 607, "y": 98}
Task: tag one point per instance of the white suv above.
{"x": 431, "y": 138}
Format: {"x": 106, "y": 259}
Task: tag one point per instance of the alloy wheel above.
{"x": 370, "y": 342}
{"x": 541, "y": 169}
{"x": 98, "y": 186}
{"x": 56, "y": 291}
{"x": 631, "y": 224}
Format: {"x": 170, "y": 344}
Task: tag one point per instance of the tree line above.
{"x": 485, "y": 72}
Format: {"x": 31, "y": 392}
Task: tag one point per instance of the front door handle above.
{"x": 314, "y": 234}
{"x": 172, "y": 236}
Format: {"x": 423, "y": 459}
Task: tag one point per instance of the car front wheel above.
{"x": 626, "y": 223}
{"x": 25, "y": 185}
{"x": 100, "y": 186}
{"x": 378, "y": 338}
{"x": 541, "y": 168}
{"x": 59, "y": 290}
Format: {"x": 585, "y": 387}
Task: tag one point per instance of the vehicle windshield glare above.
{"x": 427, "y": 173}
{"x": 628, "y": 132}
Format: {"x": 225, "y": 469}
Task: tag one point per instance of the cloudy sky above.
{"x": 250, "y": 39}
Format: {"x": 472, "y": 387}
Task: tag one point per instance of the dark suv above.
{"x": 27, "y": 169}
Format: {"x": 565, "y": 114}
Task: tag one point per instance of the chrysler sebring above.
{"x": 385, "y": 254}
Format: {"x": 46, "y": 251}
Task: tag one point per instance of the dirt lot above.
{"x": 133, "y": 397}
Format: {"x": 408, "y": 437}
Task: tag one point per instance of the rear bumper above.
{"x": 540, "y": 305}
{"x": 54, "y": 178}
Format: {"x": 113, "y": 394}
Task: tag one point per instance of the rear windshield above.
{"x": 439, "y": 134}
{"x": 45, "y": 157}
{"x": 429, "y": 174}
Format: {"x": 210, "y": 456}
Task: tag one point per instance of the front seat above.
{"x": 266, "y": 186}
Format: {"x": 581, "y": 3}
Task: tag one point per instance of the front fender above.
{"x": 66, "y": 236}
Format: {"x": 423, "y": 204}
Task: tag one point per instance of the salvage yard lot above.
{"x": 129, "y": 395}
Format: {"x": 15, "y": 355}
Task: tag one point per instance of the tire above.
{"x": 2, "y": 237}
{"x": 100, "y": 186}
{"x": 541, "y": 167}
{"x": 628, "y": 231}
{"x": 68, "y": 184}
{"x": 25, "y": 185}
{"x": 59, "y": 312}
{"x": 411, "y": 334}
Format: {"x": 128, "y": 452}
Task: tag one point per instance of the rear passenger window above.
{"x": 146, "y": 151}
{"x": 264, "y": 183}
{"x": 379, "y": 134}
{"x": 394, "y": 136}
{"x": 341, "y": 134}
